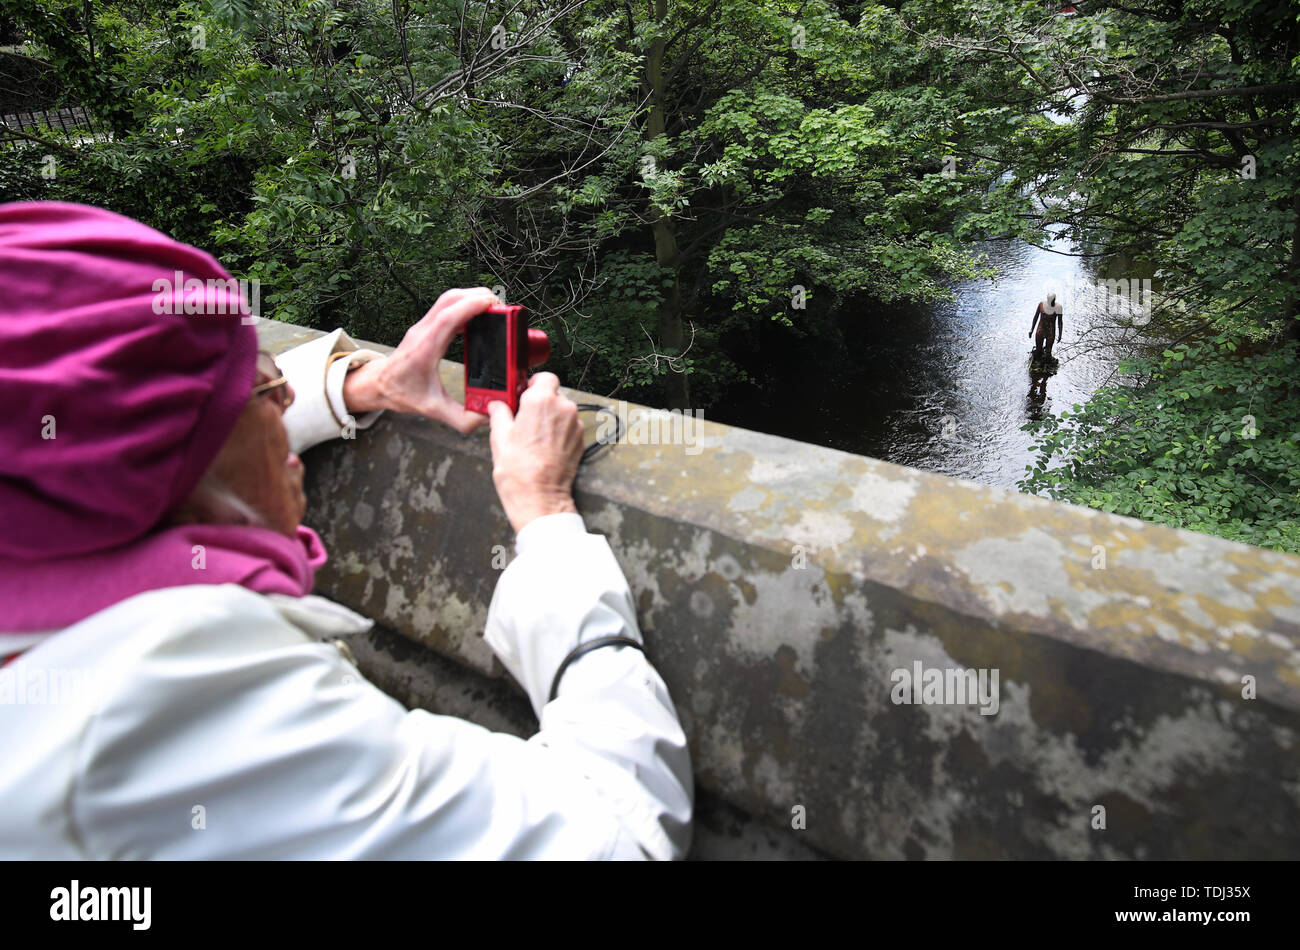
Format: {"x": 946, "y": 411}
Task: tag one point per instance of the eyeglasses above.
{"x": 271, "y": 380}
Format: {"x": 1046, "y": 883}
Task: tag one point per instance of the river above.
{"x": 943, "y": 387}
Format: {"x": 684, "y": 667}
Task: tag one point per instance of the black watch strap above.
{"x": 585, "y": 648}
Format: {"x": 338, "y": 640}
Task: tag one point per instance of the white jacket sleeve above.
{"x": 612, "y": 719}
{"x": 318, "y": 412}
{"x": 232, "y": 735}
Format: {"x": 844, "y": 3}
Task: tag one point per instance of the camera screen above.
{"x": 485, "y": 351}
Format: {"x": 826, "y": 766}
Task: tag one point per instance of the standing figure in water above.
{"x": 1048, "y": 329}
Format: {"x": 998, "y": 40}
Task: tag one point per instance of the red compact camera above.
{"x": 499, "y": 352}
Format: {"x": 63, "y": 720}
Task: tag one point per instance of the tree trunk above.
{"x": 671, "y": 336}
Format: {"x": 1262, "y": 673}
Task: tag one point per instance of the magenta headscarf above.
{"x": 110, "y": 413}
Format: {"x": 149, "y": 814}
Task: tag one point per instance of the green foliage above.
{"x": 359, "y": 159}
{"x": 1184, "y": 151}
{"x": 1175, "y": 143}
{"x": 148, "y": 185}
{"x": 1209, "y": 440}
{"x": 735, "y": 167}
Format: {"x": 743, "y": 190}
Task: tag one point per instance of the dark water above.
{"x": 944, "y": 387}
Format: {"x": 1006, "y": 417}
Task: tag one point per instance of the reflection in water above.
{"x": 1037, "y": 400}
{"x": 941, "y": 387}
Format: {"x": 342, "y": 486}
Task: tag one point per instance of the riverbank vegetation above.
{"x": 1183, "y": 153}
{"x": 658, "y": 179}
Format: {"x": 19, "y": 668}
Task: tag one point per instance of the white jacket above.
{"x": 210, "y": 721}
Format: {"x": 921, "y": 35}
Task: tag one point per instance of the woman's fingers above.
{"x": 453, "y": 317}
{"x": 535, "y": 453}
{"x": 412, "y": 373}
{"x": 455, "y": 308}
{"x": 447, "y": 298}
{"x": 444, "y": 409}
{"x": 461, "y": 419}
{"x": 503, "y": 421}
{"x": 543, "y": 383}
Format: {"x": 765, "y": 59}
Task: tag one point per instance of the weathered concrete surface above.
{"x": 780, "y": 585}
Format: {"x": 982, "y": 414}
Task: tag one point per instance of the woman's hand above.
{"x": 535, "y": 454}
{"x": 408, "y": 380}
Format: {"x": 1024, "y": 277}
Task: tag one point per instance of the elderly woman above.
{"x": 167, "y": 693}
